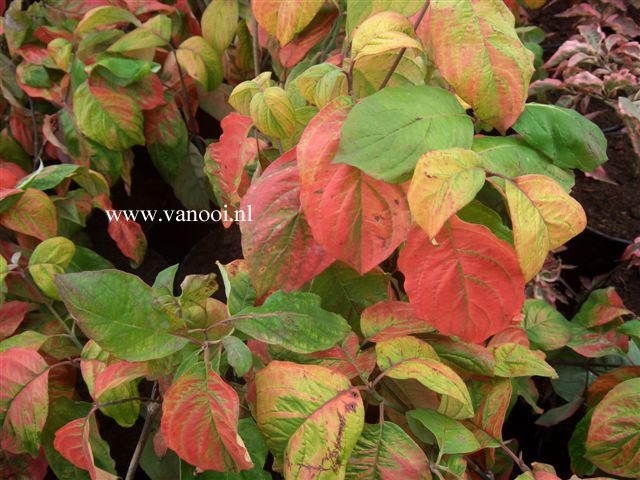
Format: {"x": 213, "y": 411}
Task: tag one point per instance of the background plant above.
{"x": 387, "y": 138}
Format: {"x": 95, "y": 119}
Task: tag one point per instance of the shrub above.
{"x": 403, "y": 195}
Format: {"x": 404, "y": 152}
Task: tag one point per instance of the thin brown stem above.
{"x": 402, "y": 51}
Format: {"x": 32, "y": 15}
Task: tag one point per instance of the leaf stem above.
{"x": 398, "y": 59}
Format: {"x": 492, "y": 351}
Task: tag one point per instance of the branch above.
{"x": 190, "y": 120}
{"x": 396, "y": 62}
{"x": 34, "y": 126}
{"x": 152, "y": 410}
{"x": 255, "y": 47}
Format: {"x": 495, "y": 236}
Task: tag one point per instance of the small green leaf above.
{"x": 452, "y": 436}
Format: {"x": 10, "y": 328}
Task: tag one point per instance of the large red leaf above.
{"x": 73, "y": 442}
{"x": 200, "y": 420}
{"x": 356, "y": 218}
{"x": 24, "y": 399}
{"x": 278, "y": 245}
{"x": 466, "y": 283}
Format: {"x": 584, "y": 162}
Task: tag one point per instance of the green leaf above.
{"x": 49, "y": 259}
{"x": 515, "y": 360}
{"x": 386, "y": 133}
{"x": 478, "y": 213}
{"x": 513, "y": 157}
{"x": 238, "y": 355}
{"x": 123, "y": 71}
{"x": 110, "y": 118}
{"x": 385, "y": 452}
{"x": 50, "y": 176}
{"x": 566, "y": 137}
{"x": 347, "y": 293}
{"x": 116, "y": 310}
{"x": 86, "y": 259}
{"x": 294, "y": 321}
{"x": 451, "y": 435}
{"x": 613, "y": 441}
{"x": 546, "y": 328}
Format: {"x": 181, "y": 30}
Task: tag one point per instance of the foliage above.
{"x": 601, "y": 62}
{"x": 377, "y": 326}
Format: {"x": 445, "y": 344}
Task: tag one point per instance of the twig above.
{"x": 190, "y": 120}
{"x": 255, "y": 47}
{"x": 476, "y": 468}
{"x": 398, "y": 59}
{"x": 152, "y": 410}
{"x": 516, "y": 459}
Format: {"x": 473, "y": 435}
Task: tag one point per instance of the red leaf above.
{"x": 354, "y": 217}
{"x": 118, "y": 374}
{"x": 225, "y": 161}
{"x": 11, "y": 316}
{"x": 24, "y": 399}
{"x": 73, "y": 441}
{"x": 199, "y": 421}
{"x": 130, "y": 238}
{"x": 391, "y": 319}
{"x": 317, "y": 30}
{"x": 467, "y": 283}
{"x": 278, "y": 246}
